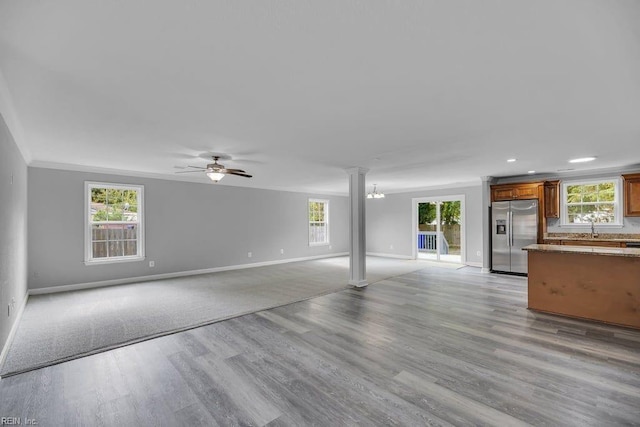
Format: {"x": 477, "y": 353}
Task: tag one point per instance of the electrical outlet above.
{"x": 330, "y": 246}
{"x": 281, "y": 251}
{"x": 391, "y": 247}
{"x": 152, "y": 263}
{"x": 9, "y": 310}
{"x": 249, "y": 255}
{"x": 479, "y": 253}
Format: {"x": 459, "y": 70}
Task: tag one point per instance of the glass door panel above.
{"x": 449, "y": 231}
{"x": 428, "y": 230}
{"x": 440, "y": 230}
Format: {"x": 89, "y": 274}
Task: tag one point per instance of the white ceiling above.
{"x": 424, "y": 93}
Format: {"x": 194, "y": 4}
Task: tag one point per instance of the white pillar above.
{"x": 486, "y": 223}
{"x": 357, "y": 230}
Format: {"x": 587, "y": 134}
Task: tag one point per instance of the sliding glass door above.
{"x": 438, "y": 225}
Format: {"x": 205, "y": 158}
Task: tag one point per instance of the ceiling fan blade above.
{"x": 196, "y": 167}
{"x": 202, "y": 170}
{"x": 238, "y": 173}
{"x": 234, "y": 170}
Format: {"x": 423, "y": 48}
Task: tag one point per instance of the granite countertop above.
{"x": 602, "y": 237}
{"x": 587, "y": 250}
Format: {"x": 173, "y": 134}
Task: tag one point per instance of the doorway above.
{"x": 438, "y": 229}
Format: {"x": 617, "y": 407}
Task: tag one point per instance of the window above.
{"x": 595, "y": 201}
{"x": 114, "y": 228}
{"x": 318, "y": 222}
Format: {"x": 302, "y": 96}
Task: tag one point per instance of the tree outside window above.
{"x": 114, "y": 227}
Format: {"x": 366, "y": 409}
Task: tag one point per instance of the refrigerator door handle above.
{"x": 510, "y": 228}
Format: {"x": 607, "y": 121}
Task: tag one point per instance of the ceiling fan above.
{"x": 215, "y": 171}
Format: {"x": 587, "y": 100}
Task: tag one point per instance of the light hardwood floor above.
{"x": 433, "y": 347}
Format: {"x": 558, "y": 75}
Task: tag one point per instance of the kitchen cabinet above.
{"x": 552, "y": 199}
{"x": 631, "y": 194}
{"x": 504, "y": 192}
{"x": 591, "y": 283}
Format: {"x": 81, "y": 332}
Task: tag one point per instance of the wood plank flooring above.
{"x": 432, "y": 347}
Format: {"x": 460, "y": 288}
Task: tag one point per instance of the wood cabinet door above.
{"x": 552, "y": 199}
{"x": 516, "y": 191}
{"x": 526, "y": 192}
{"x": 631, "y": 194}
{"x": 502, "y": 193}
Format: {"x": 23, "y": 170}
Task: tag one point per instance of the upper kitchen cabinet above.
{"x": 631, "y": 194}
{"x": 552, "y": 199}
{"x": 515, "y": 191}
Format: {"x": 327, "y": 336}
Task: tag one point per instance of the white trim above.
{"x": 485, "y": 270}
{"x": 90, "y": 285}
{"x": 114, "y": 260}
{"x": 358, "y": 283}
{"x": 463, "y": 227}
{"x": 474, "y": 264}
{"x": 14, "y": 329}
{"x": 398, "y": 256}
{"x": 140, "y": 241}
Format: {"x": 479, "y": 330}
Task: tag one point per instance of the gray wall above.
{"x": 13, "y": 230}
{"x": 389, "y": 222}
{"x": 189, "y": 226}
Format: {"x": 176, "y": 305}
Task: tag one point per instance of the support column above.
{"x": 357, "y": 230}
{"x": 486, "y": 223}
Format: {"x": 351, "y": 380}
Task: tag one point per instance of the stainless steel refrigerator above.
{"x": 514, "y": 225}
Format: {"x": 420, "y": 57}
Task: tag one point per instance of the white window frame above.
{"x": 617, "y": 202}
{"x": 326, "y": 221}
{"x": 88, "y": 258}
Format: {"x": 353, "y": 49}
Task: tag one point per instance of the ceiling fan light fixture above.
{"x": 215, "y": 176}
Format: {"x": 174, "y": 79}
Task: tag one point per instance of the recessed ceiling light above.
{"x": 582, "y": 160}
{"x": 511, "y": 160}
{"x": 531, "y": 172}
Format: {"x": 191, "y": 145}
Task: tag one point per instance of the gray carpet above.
{"x": 58, "y": 327}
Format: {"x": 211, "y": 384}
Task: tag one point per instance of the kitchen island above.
{"x": 589, "y": 282}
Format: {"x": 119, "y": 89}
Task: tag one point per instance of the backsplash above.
{"x": 601, "y": 236}
{"x": 631, "y": 226}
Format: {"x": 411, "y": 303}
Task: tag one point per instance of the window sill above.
{"x": 100, "y": 261}
{"x": 319, "y": 244}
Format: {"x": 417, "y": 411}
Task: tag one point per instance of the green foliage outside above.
{"x": 316, "y": 211}
{"x": 111, "y": 216}
{"x": 110, "y": 204}
{"x": 591, "y": 202}
{"x": 449, "y": 213}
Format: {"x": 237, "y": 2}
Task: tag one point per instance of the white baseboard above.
{"x": 474, "y": 264}
{"x": 90, "y": 285}
{"x": 14, "y": 329}
{"x": 358, "y": 283}
{"x": 485, "y": 270}
{"x": 389, "y": 255}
